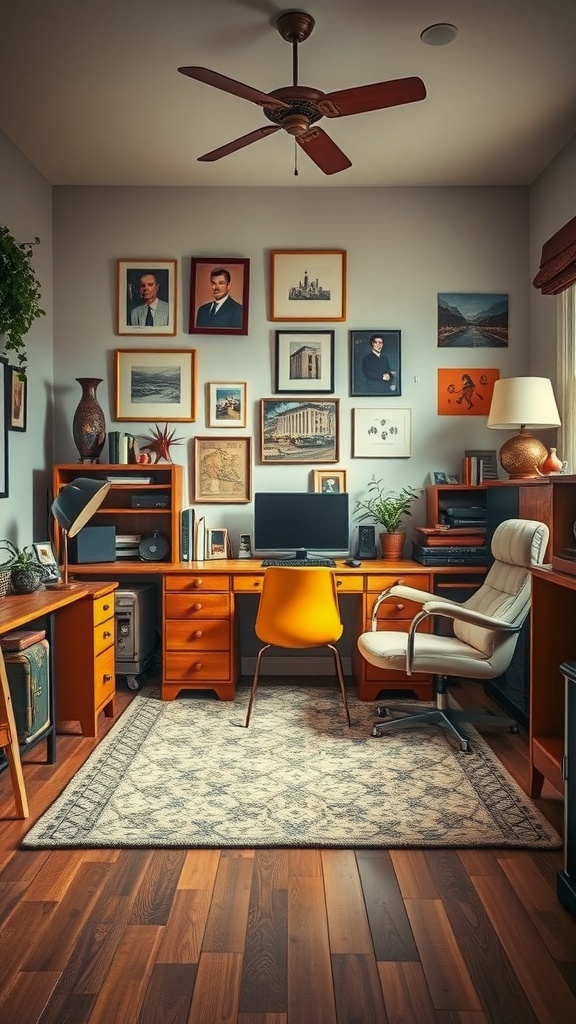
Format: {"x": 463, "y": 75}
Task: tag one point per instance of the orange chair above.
{"x": 298, "y": 609}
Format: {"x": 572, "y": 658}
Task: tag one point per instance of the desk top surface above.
{"x": 18, "y": 609}
{"x": 237, "y": 566}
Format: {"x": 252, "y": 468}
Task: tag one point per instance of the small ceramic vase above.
{"x": 551, "y": 464}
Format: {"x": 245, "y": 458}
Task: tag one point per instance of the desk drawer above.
{"x": 196, "y": 581}
{"x": 200, "y": 635}
{"x": 104, "y": 678}
{"x": 194, "y": 606}
{"x": 197, "y": 665}
{"x": 420, "y": 581}
{"x": 349, "y": 584}
{"x": 248, "y": 584}
{"x": 103, "y": 608}
{"x": 103, "y": 636}
{"x": 394, "y": 610}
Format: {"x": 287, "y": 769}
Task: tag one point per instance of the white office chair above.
{"x": 485, "y": 627}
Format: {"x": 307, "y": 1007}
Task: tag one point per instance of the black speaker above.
{"x": 93, "y": 544}
{"x": 154, "y": 548}
{"x": 366, "y": 542}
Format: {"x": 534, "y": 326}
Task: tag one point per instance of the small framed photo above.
{"x": 216, "y": 543}
{"x": 382, "y": 433}
{"x": 375, "y": 363}
{"x": 453, "y": 478}
{"x": 227, "y": 403}
{"x": 17, "y": 400}
{"x": 45, "y": 555}
{"x": 304, "y": 361}
{"x": 439, "y": 478}
{"x": 156, "y": 384}
{"x": 300, "y": 431}
{"x": 245, "y": 546}
{"x": 147, "y": 297}
{"x": 222, "y": 470}
{"x": 328, "y": 481}
{"x": 219, "y": 293}
{"x": 308, "y": 285}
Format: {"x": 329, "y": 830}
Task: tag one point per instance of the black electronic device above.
{"x": 301, "y": 521}
{"x": 150, "y": 501}
{"x": 354, "y": 563}
{"x": 93, "y": 544}
{"x": 366, "y": 542}
{"x": 154, "y": 547}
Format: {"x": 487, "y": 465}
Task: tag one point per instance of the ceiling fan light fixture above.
{"x": 439, "y": 35}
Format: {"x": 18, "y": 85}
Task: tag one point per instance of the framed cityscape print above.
{"x": 147, "y": 296}
{"x": 156, "y": 385}
{"x": 222, "y": 470}
{"x": 375, "y": 363}
{"x": 219, "y": 293}
{"x": 382, "y": 433}
{"x": 227, "y": 403}
{"x": 304, "y": 361}
{"x": 308, "y": 285}
{"x": 17, "y": 399}
{"x": 304, "y": 430}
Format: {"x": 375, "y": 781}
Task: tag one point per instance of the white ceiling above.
{"x": 90, "y": 93}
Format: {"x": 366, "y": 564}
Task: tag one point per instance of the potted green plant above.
{"x": 387, "y": 508}
{"x": 19, "y": 295}
{"x": 26, "y": 573}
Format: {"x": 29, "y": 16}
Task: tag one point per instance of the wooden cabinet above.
{"x": 132, "y": 508}
{"x": 198, "y": 650}
{"x": 85, "y": 658}
{"x": 440, "y": 497}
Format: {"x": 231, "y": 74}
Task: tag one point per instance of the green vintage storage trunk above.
{"x": 28, "y": 677}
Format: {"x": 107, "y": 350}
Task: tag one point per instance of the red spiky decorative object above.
{"x": 159, "y": 443}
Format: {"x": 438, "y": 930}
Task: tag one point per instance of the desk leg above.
{"x": 9, "y": 739}
{"x": 51, "y": 737}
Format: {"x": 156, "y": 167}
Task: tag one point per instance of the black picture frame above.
{"x": 304, "y": 362}
{"x": 4, "y": 474}
{"x": 364, "y": 381}
{"x": 237, "y": 271}
{"x": 17, "y": 400}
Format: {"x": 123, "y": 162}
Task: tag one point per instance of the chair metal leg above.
{"x": 255, "y": 684}
{"x": 340, "y": 674}
{"x": 429, "y": 716}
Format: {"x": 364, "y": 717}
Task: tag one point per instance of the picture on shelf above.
{"x": 329, "y": 481}
{"x": 467, "y": 320}
{"x": 45, "y": 554}
{"x": 466, "y": 391}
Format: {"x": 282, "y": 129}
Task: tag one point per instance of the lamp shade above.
{"x": 77, "y": 502}
{"x": 523, "y": 402}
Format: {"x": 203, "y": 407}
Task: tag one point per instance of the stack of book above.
{"x": 128, "y": 546}
{"x": 437, "y": 545}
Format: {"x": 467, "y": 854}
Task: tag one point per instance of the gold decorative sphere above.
{"x": 522, "y": 455}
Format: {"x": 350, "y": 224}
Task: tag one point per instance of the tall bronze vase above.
{"x": 89, "y": 425}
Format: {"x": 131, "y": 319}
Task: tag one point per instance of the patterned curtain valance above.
{"x": 558, "y": 263}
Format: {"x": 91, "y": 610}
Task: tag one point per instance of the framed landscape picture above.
{"x": 156, "y": 385}
{"x": 308, "y": 284}
{"x": 305, "y": 430}
{"x": 304, "y": 361}
{"x": 470, "y": 320}
{"x": 147, "y": 296}
{"x": 222, "y": 470}
{"x": 375, "y": 363}
{"x": 219, "y": 294}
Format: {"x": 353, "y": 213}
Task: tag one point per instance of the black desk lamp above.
{"x": 73, "y": 507}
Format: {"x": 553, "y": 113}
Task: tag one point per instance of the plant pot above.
{"x": 25, "y": 579}
{"x": 392, "y": 545}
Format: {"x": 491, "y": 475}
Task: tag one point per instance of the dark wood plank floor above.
{"x": 279, "y": 936}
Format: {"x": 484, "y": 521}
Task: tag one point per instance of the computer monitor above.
{"x": 296, "y": 524}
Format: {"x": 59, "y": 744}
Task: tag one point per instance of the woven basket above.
{"x": 5, "y": 577}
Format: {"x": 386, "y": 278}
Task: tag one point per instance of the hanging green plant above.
{"x": 19, "y": 295}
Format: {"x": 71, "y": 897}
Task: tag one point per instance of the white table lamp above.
{"x": 519, "y": 403}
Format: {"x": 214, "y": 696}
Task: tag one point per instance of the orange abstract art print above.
{"x": 465, "y": 392}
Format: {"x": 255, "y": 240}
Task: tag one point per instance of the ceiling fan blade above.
{"x": 372, "y": 97}
{"x": 245, "y": 92}
{"x": 244, "y": 140}
{"x": 323, "y": 151}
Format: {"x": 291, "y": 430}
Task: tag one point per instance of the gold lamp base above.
{"x": 521, "y": 456}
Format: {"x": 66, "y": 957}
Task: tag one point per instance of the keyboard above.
{"x": 296, "y": 562}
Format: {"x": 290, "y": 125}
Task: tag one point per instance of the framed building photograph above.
{"x": 470, "y": 320}
{"x": 375, "y": 363}
{"x": 147, "y": 297}
{"x": 156, "y": 385}
{"x": 306, "y": 430}
{"x": 329, "y": 481}
{"x": 4, "y": 477}
{"x": 304, "y": 361}
{"x": 17, "y": 400}
{"x": 382, "y": 433}
{"x": 308, "y": 284}
{"x": 466, "y": 391}
{"x": 226, "y": 403}
{"x": 45, "y": 555}
{"x": 222, "y": 470}
{"x": 219, "y": 295}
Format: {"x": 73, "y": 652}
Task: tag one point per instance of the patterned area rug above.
{"x": 185, "y": 773}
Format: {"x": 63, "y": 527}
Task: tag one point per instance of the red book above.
{"x": 463, "y": 536}
{"x": 21, "y": 638}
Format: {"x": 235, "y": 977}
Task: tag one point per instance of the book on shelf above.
{"x": 200, "y": 539}
{"x": 187, "y": 534}
{"x": 123, "y": 448}
{"x": 431, "y": 536}
{"x": 127, "y": 478}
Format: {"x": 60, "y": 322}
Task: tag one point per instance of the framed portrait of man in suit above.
{"x": 147, "y": 291}
{"x": 219, "y": 295}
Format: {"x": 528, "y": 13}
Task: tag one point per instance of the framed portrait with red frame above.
{"x": 219, "y": 295}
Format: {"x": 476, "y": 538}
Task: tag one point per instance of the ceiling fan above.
{"x": 297, "y": 108}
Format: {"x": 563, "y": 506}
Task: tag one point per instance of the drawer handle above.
{"x": 257, "y": 583}
{"x": 399, "y": 607}
{"x": 106, "y": 634}
{"x": 400, "y": 582}
{"x": 105, "y": 607}
{"x": 197, "y": 634}
{"x": 197, "y": 666}
{"x": 198, "y": 583}
{"x": 107, "y": 678}
{"x": 197, "y": 607}
{"x": 338, "y": 583}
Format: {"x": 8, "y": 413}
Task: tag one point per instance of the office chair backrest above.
{"x": 298, "y": 607}
{"x": 505, "y": 593}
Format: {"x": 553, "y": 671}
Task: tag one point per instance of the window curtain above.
{"x": 566, "y": 376}
{"x": 558, "y": 263}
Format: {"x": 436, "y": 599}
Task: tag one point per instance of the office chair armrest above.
{"x": 452, "y": 610}
{"x": 399, "y": 590}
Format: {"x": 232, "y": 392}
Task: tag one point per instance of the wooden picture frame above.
{"x": 17, "y": 400}
{"x": 299, "y": 431}
{"x": 45, "y": 554}
{"x": 217, "y": 543}
{"x": 226, "y": 403}
{"x": 156, "y": 384}
{"x": 472, "y": 320}
{"x": 4, "y": 474}
{"x": 374, "y": 355}
{"x": 214, "y": 280}
{"x": 382, "y": 433}
{"x": 145, "y": 282}
{"x": 222, "y": 470}
{"x": 308, "y": 285}
{"x": 304, "y": 362}
{"x": 329, "y": 481}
